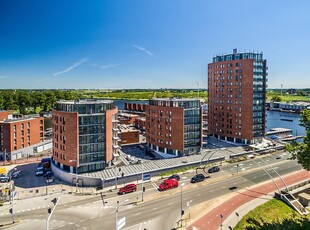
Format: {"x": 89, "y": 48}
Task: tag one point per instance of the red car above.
{"x": 167, "y": 184}
{"x": 128, "y": 188}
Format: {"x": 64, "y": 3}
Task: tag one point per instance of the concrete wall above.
{"x": 71, "y": 178}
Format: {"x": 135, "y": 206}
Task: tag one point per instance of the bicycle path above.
{"x": 215, "y": 218}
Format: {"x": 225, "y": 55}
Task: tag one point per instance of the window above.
{"x": 14, "y": 127}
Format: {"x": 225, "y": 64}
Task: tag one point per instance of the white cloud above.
{"x": 3, "y": 77}
{"x": 109, "y": 66}
{"x": 144, "y": 50}
{"x": 73, "y": 66}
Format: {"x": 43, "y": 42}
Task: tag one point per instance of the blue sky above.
{"x": 147, "y": 44}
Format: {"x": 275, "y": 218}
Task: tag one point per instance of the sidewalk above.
{"x": 244, "y": 201}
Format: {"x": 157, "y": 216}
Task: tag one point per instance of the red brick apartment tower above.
{"x": 237, "y": 96}
{"x": 18, "y": 133}
{"x": 85, "y": 135}
{"x": 173, "y": 126}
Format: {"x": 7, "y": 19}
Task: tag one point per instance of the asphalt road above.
{"x": 160, "y": 210}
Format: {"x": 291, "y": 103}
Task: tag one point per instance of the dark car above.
{"x": 4, "y": 179}
{"x": 198, "y": 178}
{"x": 48, "y": 174}
{"x": 128, "y": 188}
{"x": 174, "y": 176}
{"x": 214, "y": 169}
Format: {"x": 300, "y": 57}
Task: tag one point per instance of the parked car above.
{"x": 4, "y": 179}
{"x": 214, "y": 169}
{"x": 174, "y": 176}
{"x": 48, "y": 174}
{"x": 197, "y": 178}
{"x": 40, "y": 171}
{"x": 46, "y": 162}
{"x": 168, "y": 184}
{"x": 127, "y": 189}
{"x": 17, "y": 174}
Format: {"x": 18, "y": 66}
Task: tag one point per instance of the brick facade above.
{"x": 20, "y": 133}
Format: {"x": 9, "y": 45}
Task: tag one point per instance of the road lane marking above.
{"x": 154, "y": 209}
{"x": 137, "y": 213}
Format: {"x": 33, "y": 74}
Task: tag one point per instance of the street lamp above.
{"x": 221, "y": 216}
{"x": 76, "y": 175}
{"x": 182, "y": 212}
{"x": 142, "y": 178}
{"x": 116, "y": 211}
{"x": 50, "y": 211}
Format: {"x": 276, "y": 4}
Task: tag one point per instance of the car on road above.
{"x": 198, "y": 178}
{"x": 174, "y": 176}
{"x": 168, "y": 184}
{"x": 127, "y": 189}
{"x": 214, "y": 169}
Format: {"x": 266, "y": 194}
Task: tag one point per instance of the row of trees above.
{"x": 29, "y": 101}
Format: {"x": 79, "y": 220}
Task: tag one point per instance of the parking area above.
{"x": 137, "y": 151}
{"x": 28, "y": 179}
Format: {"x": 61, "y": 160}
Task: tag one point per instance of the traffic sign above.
{"x": 146, "y": 177}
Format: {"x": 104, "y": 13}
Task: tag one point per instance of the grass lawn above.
{"x": 273, "y": 215}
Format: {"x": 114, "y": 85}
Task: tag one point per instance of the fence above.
{"x": 53, "y": 189}
{"x": 25, "y": 160}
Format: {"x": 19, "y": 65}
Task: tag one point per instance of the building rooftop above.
{"x": 174, "y": 99}
{"x": 127, "y": 129}
{"x": 258, "y": 56}
{"x": 85, "y": 101}
{"x": 24, "y": 118}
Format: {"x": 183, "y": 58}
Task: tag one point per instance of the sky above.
{"x": 98, "y": 44}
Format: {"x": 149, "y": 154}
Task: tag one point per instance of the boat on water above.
{"x": 285, "y": 119}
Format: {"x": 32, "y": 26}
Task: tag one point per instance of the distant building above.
{"x": 128, "y": 135}
{"x": 140, "y": 123}
{"x": 291, "y": 91}
{"x": 173, "y": 126}
{"x": 134, "y": 107}
{"x": 237, "y": 96}
{"x": 127, "y": 119}
{"x": 17, "y": 134}
{"x": 85, "y": 135}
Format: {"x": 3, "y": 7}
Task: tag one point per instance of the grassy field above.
{"x": 144, "y": 95}
{"x": 273, "y": 215}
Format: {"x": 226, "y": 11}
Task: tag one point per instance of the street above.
{"x": 160, "y": 210}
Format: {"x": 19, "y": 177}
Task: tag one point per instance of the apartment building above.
{"x": 237, "y": 96}
{"x": 19, "y": 133}
{"x": 85, "y": 135}
{"x": 174, "y": 126}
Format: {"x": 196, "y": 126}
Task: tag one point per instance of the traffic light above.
{"x": 54, "y": 201}
{"x": 49, "y": 210}
{"x": 143, "y": 189}
{"x": 182, "y": 212}
{"x": 11, "y": 210}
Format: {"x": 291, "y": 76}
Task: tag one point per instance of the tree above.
{"x": 276, "y": 98}
{"x": 302, "y": 150}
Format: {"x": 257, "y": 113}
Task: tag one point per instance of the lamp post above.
{"x": 221, "y": 216}
{"x": 181, "y": 202}
{"x": 50, "y": 211}
{"x": 116, "y": 211}
{"x": 142, "y": 178}
{"x": 76, "y": 175}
